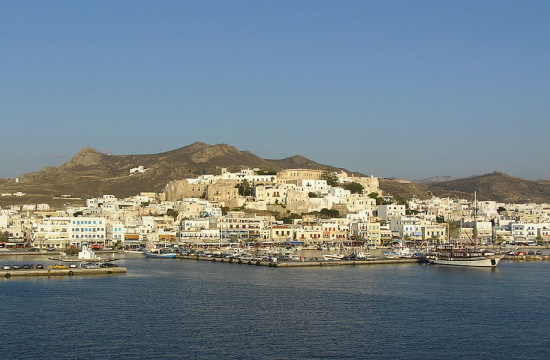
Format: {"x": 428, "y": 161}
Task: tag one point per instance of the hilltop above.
{"x": 495, "y": 186}
{"x": 91, "y": 173}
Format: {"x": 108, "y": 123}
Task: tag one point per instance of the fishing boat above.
{"x": 159, "y": 253}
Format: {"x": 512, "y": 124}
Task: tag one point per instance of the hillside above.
{"x": 91, "y": 173}
{"x": 495, "y": 186}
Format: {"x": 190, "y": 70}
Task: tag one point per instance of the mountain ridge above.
{"x": 90, "y": 173}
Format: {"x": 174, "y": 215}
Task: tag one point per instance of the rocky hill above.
{"x": 494, "y": 186}
{"x": 91, "y": 173}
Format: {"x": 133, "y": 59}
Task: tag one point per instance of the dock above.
{"x": 48, "y": 271}
{"x": 305, "y": 263}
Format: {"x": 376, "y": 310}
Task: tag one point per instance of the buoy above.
{"x": 258, "y": 263}
{"x": 7, "y": 275}
{"x": 213, "y": 260}
{"x": 70, "y": 273}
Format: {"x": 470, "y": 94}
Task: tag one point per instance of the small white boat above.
{"x": 159, "y": 254}
{"x": 390, "y": 255}
{"x": 332, "y": 257}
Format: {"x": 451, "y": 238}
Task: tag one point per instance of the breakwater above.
{"x": 49, "y": 271}
{"x": 305, "y": 263}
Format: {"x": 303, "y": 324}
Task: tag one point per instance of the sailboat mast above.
{"x": 475, "y": 218}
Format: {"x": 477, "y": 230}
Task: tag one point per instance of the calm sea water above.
{"x": 184, "y": 309}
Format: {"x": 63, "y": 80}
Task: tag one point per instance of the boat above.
{"x": 86, "y": 254}
{"x": 453, "y": 256}
{"x": 390, "y": 255}
{"x": 159, "y": 253}
{"x": 332, "y": 257}
{"x": 401, "y": 250}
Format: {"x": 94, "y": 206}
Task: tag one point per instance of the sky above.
{"x": 406, "y": 89}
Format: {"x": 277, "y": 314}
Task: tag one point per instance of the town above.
{"x": 293, "y": 207}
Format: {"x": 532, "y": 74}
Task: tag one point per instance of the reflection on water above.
{"x": 172, "y": 308}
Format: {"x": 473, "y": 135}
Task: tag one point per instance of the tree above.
{"x": 373, "y": 195}
{"x": 244, "y": 188}
{"x": 440, "y": 219}
{"x": 354, "y": 187}
{"x": 4, "y": 236}
{"x": 330, "y": 176}
{"x": 330, "y": 213}
{"x": 501, "y": 209}
{"x": 173, "y": 213}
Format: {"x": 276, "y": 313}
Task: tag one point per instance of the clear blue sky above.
{"x": 408, "y": 89}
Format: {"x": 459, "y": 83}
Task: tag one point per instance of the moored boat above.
{"x": 449, "y": 255}
{"x": 159, "y": 254}
{"x": 333, "y": 257}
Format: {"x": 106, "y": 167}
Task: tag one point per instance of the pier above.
{"x": 304, "y": 263}
{"x": 48, "y": 271}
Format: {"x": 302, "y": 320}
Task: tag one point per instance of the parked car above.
{"x": 39, "y": 266}
{"x": 60, "y": 266}
{"x": 73, "y": 265}
{"x": 539, "y": 252}
{"x": 6, "y": 267}
{"x": 90, "y": 266}
{"x": 33, "y": 250}
{"x": 50, "y": 249}
{"x": 108, "y": 265}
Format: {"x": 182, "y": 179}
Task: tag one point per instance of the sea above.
{"x": 188, "y": 309}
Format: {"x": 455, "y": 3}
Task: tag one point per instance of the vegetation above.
{"x": 4, "y": 236}
{"x": 172, "y": 213}
{"x": 379, "y": 200}
{"x": 245, "y": 189}
{"x": 354, "y": 187}
{"x": 288, "y": 219}
{"x": 440, "y": 219}
{"x": 266, "y": 172}
{"x": 330, "y": 176}
{"x": 330, "y": 213}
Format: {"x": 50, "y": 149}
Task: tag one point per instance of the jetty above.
{"x": 304, "y": 263}
{"x": 50, "y": 271}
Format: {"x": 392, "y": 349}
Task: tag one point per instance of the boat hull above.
{"x": 332, "y": 257}
{"x": 161, "y": 256}
{"x": 473, "y": 262}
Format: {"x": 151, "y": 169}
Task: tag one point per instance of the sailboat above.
{"x": 460, "y": 256}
